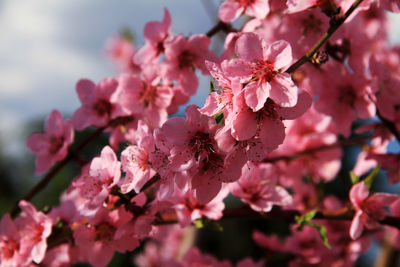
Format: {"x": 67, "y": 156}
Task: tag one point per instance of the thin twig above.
{"x": 349, "y": 142}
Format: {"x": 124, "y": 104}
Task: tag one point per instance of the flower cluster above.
{"x": 270, "y": 134}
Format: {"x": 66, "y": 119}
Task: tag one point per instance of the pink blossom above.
{"x": 183, "y": 55}
{"x": 369, "y": 209}
{"x": 261, "y": 68}
{"x": 155, "y": 33}
{"x": 232, "y": 9}
{"x": 257, "y": 187}
{"x": 121, "y": 51}
{"x": 99, "y": 104}
{"x": 146, "y": 98}
{"x": 189, "y": 209}
{"x": 104, "y": 235}
{"x": 34, "y": 228}
{"x": 10, "y": 254}
{"x": 52, "y": 145}
{"x": 136, "y": 163}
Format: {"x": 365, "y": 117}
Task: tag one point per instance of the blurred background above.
{"x": 46, "y": 46}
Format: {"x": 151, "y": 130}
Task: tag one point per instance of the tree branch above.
{"x": 335, "y": 24}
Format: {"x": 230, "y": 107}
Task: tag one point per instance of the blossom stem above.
{"x": 220, "y": 26}
{"x": 335, "y": 24}
{"x": 51, "y": 174}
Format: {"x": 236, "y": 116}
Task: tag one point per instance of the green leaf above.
{"x": 199, "y": 223}
{"x": 305, "y": 220}
{"x": 209, "y": 224}
{"x": 302, "y": 220}
{"x": 370, "y": 178}
{"x": 354, "y": 178}
{"x": 219, "y": 118}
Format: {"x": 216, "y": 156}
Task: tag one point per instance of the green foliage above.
{"x": 305, "y": 220}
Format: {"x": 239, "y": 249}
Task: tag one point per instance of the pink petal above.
{"x": 155, "y": 31}
{"x": 237, "y": 68}
{"x": 229, "y": 11}
{"x": 358, "y": 193}
{"x": 250, "y": 46}
{"x": 255, "y": 95}
{"x": 244, "y": 125}
{"x": 356, "y": 227}
{"x": 283, "y": 90}
{"x": 259, "y": 9}
{"x": 280, "y": 54}
{"x": 304, "y": 102}
{"x": 272, "y": 134}
{"x": 207, "y": 191}
{"x": 85, "y": 89}
{"x": 55, "y": 124}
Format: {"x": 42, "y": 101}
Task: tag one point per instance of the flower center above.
{"x": 55, "y": 144}
{"x": 186, "y": 59}
{"x": 264, "y": 71}
{"x": 104, "y": 232}
{"x": 201, "y": 144}
{"x": 148, "y": 95}
{"x": 102, "y": 107}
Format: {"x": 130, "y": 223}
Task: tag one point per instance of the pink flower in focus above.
{"x": 99, "y": 104}
{"x": 369, "y": 209}
{"x": 136, "y": 163}
{"x": 10, "y": 244}
{"x": 261, "y": 68}
{"x": 52, "y": 145}
{"x": 258, "y": 188}
{"x": 232, "y": 9}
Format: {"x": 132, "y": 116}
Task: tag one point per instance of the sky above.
{"x": 46, "y": 46}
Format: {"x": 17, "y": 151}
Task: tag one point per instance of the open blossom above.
{"x": 232, "y": 9}
{"x": 52, "y": 145}
{"x": 107, "y": 232}
{"x": 99, "y": 103}
{"x": 369, "y": 209}
{"x": 155, "y": 33}
{"x": 182, "y": 57}
{"x": 34, "y": 228}
{"x": 258, "y": 188}
{"x": 189, "y": 209}
{"x": 260, "y": 67}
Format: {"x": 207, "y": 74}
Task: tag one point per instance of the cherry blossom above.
{"x": 51, "y": 146}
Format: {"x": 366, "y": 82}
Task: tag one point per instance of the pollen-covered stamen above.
{"x": 104, "y": 232}
{"x": 186, "y": 60}
{"x": 102, "y": 107}
{"x": 263, "y": 71}
{"x": 148, "y": 94}
{"x": 140, "y": 158}
{"x": 201, "y": 144}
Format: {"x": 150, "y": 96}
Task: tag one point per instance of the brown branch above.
{"x": 335, "y": 24}
{"x": 390, "y": 125}
{"x": 348, "y": 142}
{"x": 220, "y": 26}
